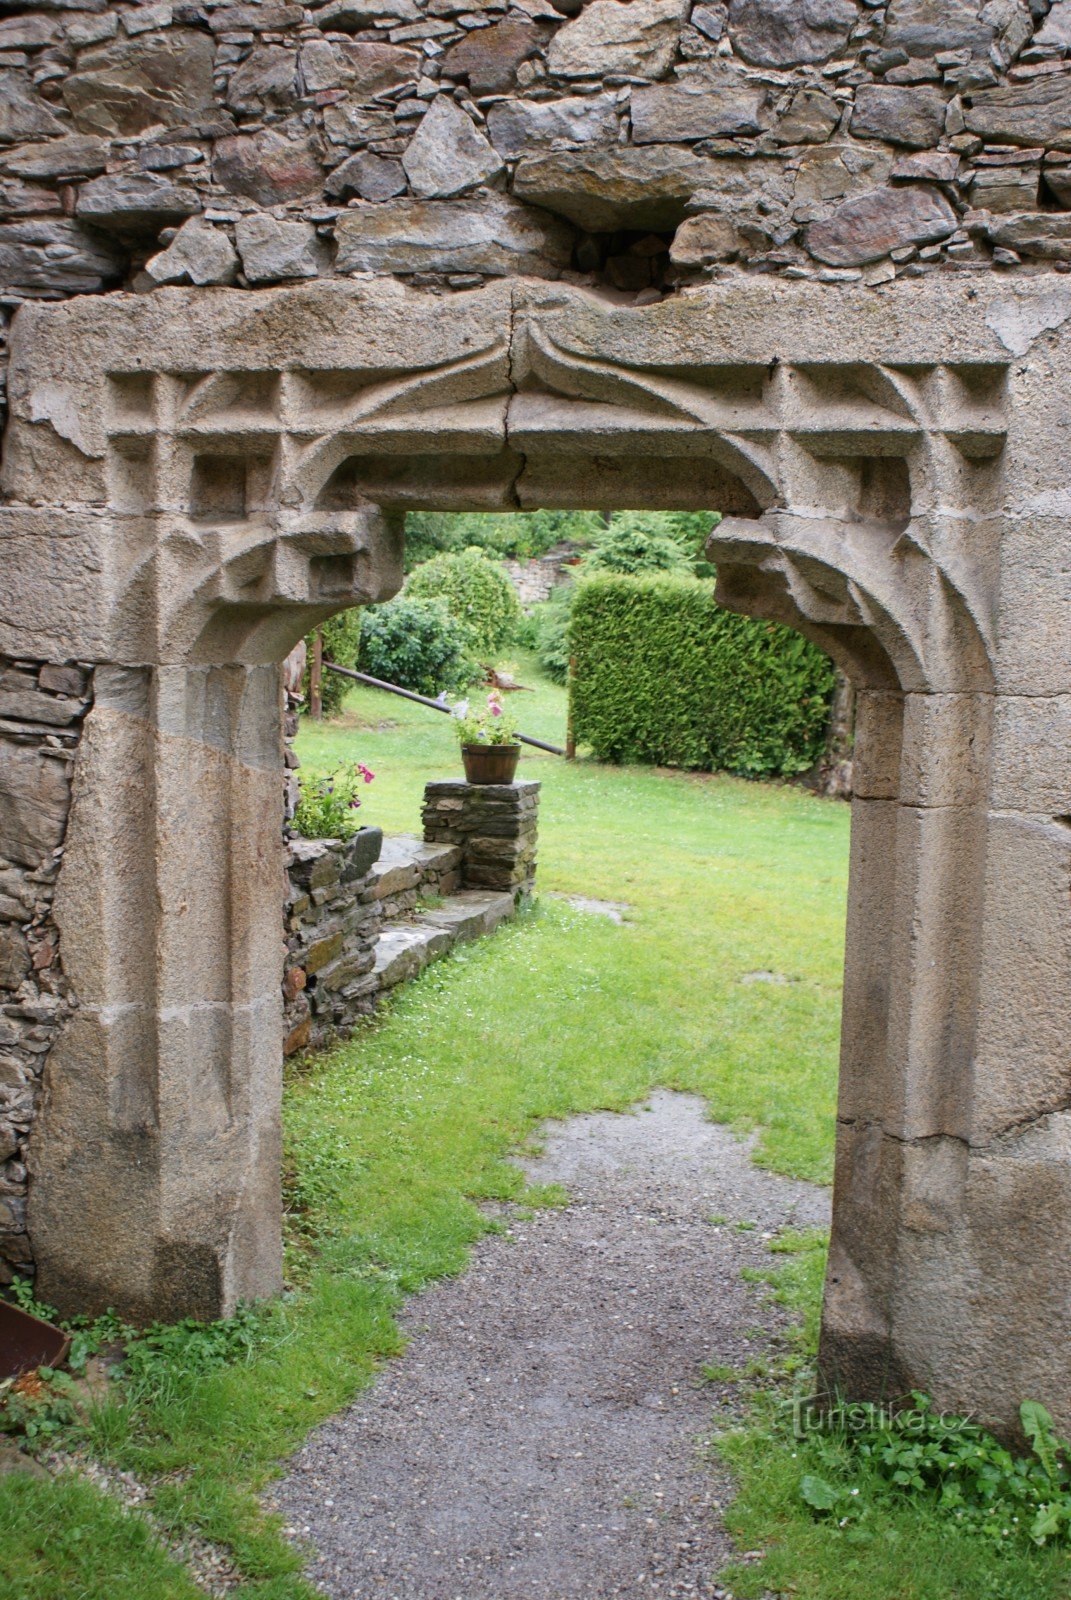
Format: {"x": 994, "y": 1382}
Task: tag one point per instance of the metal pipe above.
{"x": 423, "y": 700}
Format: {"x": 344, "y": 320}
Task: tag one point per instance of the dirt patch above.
{"x": 541, "y": 1437}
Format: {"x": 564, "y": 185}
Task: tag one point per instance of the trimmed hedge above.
{"x": 663, "y": 674}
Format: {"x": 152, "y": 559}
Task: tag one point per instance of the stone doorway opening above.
{"x": 892, "y": 479}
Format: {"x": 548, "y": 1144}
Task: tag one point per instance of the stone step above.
{"x": 405, "y": 862}
{"x": 471, "y": 912}
{"x": 404, "y": 949}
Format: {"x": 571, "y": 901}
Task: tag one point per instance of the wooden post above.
{"x": 316, "y": 677}
{"x": 570, "y": 740}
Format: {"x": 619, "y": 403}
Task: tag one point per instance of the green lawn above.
{"x": 393, "y": 1137}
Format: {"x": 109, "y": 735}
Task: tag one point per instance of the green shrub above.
{"x": 522, "y": 534}
{"x": 416, "y": 644}
{"x": 638, "y": 541}
{"x": 549, "y": 624}
{"x": 342, "y": 643}
{"x": 477, "y": 593}
{"x": 663, "y": 674}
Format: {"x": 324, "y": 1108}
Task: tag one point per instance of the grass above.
{"x": 393, "y": 1138}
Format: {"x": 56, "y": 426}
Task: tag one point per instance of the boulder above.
{"x": 602, "y": 189}
{"x": 912, "y": 117}
{"x": 517, "y": 126}
{"x": 488, "y": 58}
{"x": 23, "y": 114}
{"x": 704, "y": 105}
{"x": 132, "y": 204}
{"x": 811, "y": 118}
{"x": 34, "y": 791}
{"x": 162, "y": 80}
{"x": 370, "y": 176}
{"x": 76, "y": 156}
{"x": 929, "y": 27}
{"x": 790, "y": 33}
{"x": 273, "y": 251}
{"x": 267, "y": 167}
{"x": 1040, "y": 235}
{"x": 637, "y": 37}
{"x": 870, "y": 225}
{"x": 58, "y": 255}
{"x": 1056, "y": 29}
{"x": 932, "y": 166}
{"x": 14, "y": 958}
{"x": 1037, "y": 112}
{"x": 835, "y": 172}
{"x": 351, "y": 16}
{"x": 1006, "y": 189}
{"x": 494, "y": 235}
{"x": 706, "y": 238}
{"x": 448, "y": 153}
{"x": 199, "y": 253}
{"x": 267, "y": 77}
{"x": 363, "y": 67}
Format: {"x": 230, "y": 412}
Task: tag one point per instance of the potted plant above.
{"x": 488, "y": 737}
{"x": 328, "y": 807}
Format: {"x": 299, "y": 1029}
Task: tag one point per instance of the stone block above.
{"x": 913, "y": 117}
{"x": 134, "y": 86}
{"x": 272, "y": 251}
{"x": 700, "y": 106}
{"x": 608, "y": 36}
{"x": 487, "y": 58}
{"x": 494, "y": 235}
{"x": 448, "y": 153}
{"x": 516, "y": 127}
{"x": 602, "y": 189}
{"x": 1021, "y": 1070}
{"x": 779, "y": 33}
{"x": 870, "y": 226}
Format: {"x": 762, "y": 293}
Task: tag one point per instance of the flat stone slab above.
{"x": 540, "y": 1437}
{"x": 471, "y": 912}
{"x": 405, "y": 860}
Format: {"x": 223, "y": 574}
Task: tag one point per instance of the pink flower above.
{"x": 366, "y": 773}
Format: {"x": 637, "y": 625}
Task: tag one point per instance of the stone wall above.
{"x": 343, "y": 894}
{"x": 634, "y": 145}
{"x": 537, "y": 579}
{"x": 41, "y": 712}
{"x": 496, "y": 826}
{"x": 332, "y": 922}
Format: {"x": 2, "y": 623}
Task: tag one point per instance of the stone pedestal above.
{"x": 495, "y": 824}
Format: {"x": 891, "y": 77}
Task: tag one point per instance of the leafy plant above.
{"x": 38, "y": 1405}
{"x": 477, "y": 594}
{"x": 486, "y": 724}
{"x": 329, "y": 801}
{"x": 416, "y": 644}
{"x": 663, "y": 674}
{"x": 342, "y": 642}
{"x": 960, "y": 1469}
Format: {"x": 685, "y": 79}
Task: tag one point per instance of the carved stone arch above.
{"x": 193, "y": 478}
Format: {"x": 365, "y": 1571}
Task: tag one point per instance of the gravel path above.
{"x": 539, "y": 1439}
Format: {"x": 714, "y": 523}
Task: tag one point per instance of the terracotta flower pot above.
{"x": 490, "y": 763}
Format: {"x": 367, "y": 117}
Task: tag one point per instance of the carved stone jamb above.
{"x": 892, "y": 464}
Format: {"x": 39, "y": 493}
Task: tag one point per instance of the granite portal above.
{"x": 195, "y": 477}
